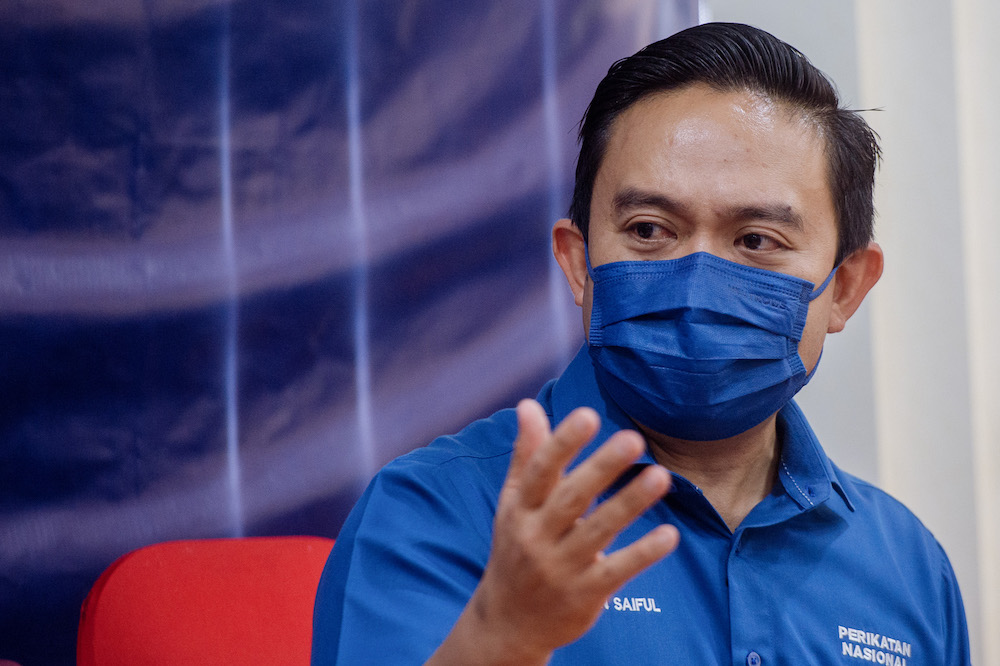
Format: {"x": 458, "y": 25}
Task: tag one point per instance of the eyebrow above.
{"x": 782, "y": 213}
{"x": 631, "y": 198}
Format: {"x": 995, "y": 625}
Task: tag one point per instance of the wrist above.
{"x": 481, "y": 638}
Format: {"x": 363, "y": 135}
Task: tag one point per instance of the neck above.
{"x": 734, "y": 474}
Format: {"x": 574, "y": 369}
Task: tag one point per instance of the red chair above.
{"x": 205, "y": 602}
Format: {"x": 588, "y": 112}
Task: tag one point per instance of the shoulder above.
{"x": 905, "y": 538}
{"x": 456, "y": 478}
{"x": 870, "y": 499}
{"x": 481, "y": 449}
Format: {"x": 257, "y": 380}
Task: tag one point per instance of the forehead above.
{"x": 699, "y": 114}
{"x": 717, "y": 147}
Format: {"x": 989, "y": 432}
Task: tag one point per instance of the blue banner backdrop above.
{"x": 251, "y": 250}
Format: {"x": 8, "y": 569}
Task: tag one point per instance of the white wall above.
{"x": 909, "y": 395}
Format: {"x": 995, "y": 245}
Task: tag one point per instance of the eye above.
{"x": 648, "y": 234}
{"x": 644, "y": 230}
{"x": 649, "y": 231}
{"x": 758, "y": 242}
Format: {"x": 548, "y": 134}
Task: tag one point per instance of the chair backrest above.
{"x": 205, "y": 602}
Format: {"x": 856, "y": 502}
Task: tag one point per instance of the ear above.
{"x": 571, "y": 254}
{"x": 855, "y": 278}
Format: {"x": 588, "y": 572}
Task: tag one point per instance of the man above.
{"x": 721, "y": 227}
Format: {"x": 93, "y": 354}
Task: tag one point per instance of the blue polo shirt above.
{"x": 827, "y": 569}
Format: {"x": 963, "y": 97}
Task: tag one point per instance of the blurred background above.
{"x": 250, "y": 250}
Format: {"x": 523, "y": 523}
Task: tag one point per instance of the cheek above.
{"x": 588, "y": 302}
{"x": 814, "y": 333}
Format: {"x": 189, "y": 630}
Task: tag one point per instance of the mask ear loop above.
{"x": 595, "y": 328}
{"x": 814, "y": 295}
{"x": 819, "y": 290}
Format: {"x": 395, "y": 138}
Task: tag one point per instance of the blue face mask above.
{"x": 698, "y": 348}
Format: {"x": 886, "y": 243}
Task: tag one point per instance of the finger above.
{"x": 596, "y": 532}
{"x": 532, "y": 431}
{"x": 548, "y": 463}
{"x": 571, "y": 498}
{"x": 614, "y": 570}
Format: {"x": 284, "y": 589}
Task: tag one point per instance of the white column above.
{"x": 977, "y": 80}
{"x": 923, "y": 390}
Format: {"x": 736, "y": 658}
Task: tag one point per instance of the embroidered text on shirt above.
{"x": 647, "y": 604}
{"x": 873, "y": 647}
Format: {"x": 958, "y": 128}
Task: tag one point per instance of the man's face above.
{"x": 731, "y": 174}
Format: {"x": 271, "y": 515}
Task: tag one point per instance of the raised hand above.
{"x": 548, "y": 577}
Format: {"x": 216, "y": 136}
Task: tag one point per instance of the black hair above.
{"x": 733, "y": 57}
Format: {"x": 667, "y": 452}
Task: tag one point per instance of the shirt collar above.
{"x": 806, "y": 473}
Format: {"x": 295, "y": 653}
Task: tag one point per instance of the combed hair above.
{"x": 735, "y": 57}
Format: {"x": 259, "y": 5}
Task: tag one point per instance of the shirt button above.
{"x": 753, "y": 659}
